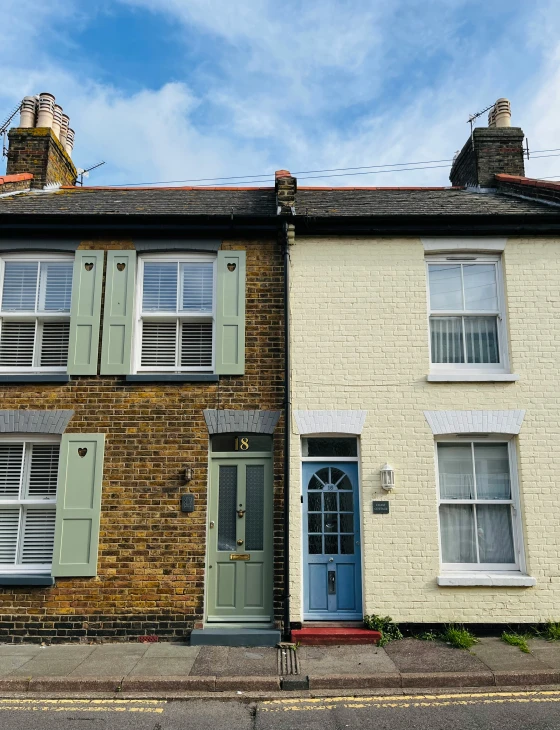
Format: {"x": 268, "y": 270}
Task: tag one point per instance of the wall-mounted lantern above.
{"x": 188, "y": 474}
{"x": 387, "y": 477}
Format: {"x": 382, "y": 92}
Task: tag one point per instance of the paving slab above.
{"x": 10, "y": 664}
{"x": 121, "y": 649}
{"x": 338, "y": 660}
{"x": 21, "y": 649}
{"x": 55, "y": 661}
{"x": 175, "y": 650}
{"x": 105, "y": 666}
{"x": 414, "y": 655}
{"x": 162, "y": 667}
{"x": 499, "y": 656}
{"x": 224, "y": 661}
{"x": 547, "y": 652}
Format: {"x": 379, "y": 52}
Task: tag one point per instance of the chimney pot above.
{"x": 502, "y": 113}
{"x": 27, "y": 112}
{"x": 57, "y": 120}
{"x": 64, "y": 124}
{"x": 69, "y": 146}
{"x": 46, "y": 110}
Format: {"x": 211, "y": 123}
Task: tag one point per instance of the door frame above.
{"x": 303, "y": 533}
{"x": 236, "y": 456}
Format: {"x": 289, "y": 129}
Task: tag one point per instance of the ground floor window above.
{"x": 28, "y": 482}
{"x": 478, "y": 505}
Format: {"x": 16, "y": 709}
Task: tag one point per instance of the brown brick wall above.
{"x": 151, "y": 555}
{"x": 490, "y": 151}
{"x": 39, "y": 152}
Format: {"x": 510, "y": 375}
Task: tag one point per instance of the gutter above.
{"x": 287, "y": 422}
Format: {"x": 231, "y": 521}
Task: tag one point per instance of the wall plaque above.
{"x": 380, "y": 507}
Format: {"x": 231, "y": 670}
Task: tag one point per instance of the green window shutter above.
{"x": 85, "y": 313}
{"x": 78, "y": 504}
{"x": 230, "y": 313}
{"x": 118, "y": 315}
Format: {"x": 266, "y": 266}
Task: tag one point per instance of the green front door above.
{"x": 240, "y": 564}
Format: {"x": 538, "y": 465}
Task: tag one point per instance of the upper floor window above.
{"x": 466, "y": 313}
{"x": 28, "y": 482}
{"x": 35, "y": 313}
{"x": 176, "y": 313}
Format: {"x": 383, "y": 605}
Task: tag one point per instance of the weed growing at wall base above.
{"x": 384, "y": 624}
{"x": 516, "y": 640}
{"x": 459, "y": 637}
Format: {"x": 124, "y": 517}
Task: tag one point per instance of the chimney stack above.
{"x": 286, "y": 189}
{"x": 490, "y": 151}
{"x": 42, "y": 144}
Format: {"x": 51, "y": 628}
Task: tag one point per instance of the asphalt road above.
{"x": 529, "y": 710}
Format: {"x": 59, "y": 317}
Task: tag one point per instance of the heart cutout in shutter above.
{"x": 121, "y": 267}
{"x": 232, "y": 267}
{"x": 82, "y": 452}
{"x": 89, "y": 266}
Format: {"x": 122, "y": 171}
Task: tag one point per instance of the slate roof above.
{"x": 261, "y": 202}
{"x": 143, "y": 201}
{"x": 403, "y": 201}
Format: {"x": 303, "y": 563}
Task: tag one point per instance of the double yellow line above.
{"x": 408, "y": 701}
{"x": 66, "y": 705}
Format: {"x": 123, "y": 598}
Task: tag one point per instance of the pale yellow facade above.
{"x": 359, "y": 340}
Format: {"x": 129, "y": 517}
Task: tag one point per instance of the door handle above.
{"x": 241, "y": 512}
{"x": 332, "y": 583}
{"x": 240, "y": 542}
{"x": 211, "y": 524}
{"x": 330, "y": 560}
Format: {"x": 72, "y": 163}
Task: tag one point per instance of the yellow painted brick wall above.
{"x": 360, "y": 341}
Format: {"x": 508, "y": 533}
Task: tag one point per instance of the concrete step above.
{"x": 331, "y": 636}
{"x": 234, "y": 637}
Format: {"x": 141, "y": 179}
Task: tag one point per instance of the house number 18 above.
{"x": 242, "y": 444}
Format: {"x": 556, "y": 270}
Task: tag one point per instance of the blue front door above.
{"x": 331, "y": 536}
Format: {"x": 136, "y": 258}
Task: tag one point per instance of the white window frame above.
{"x": 36, "y": 316}
{"x": 168, "y": 317}
{"x": 46, "y": 503}
{"x": 517, "y": 528}
{"x": 502, "y": 367}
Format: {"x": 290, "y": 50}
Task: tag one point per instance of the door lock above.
{"x": 241, "y": 512}
{"x": 240, "y": 542}
{"x": 331, "y": 560}
{"x": 212, "y": 523}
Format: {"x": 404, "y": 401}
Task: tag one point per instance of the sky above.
{"x": 181, "y": 90}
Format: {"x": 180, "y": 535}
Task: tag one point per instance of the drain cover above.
{"x": 288, "y": 662}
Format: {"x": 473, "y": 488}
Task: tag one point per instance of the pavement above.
{"x": 176, "y": 669}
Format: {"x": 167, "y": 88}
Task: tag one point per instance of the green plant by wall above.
{"x": 384, "y": 624}
{"x": 551, "y": 631}
{"x": 516, "y": 640}
{"x": 459, "y": 637}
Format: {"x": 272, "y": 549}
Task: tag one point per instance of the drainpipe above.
{"x": 287, "y": 421}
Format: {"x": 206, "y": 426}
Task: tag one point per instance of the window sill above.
{"x": 471, "y": 377}
{"x": 35, "y": 378}
{"x": 26, "y": 580}
{"x": 172, "y": 378}
{"x": 476, "y": 578}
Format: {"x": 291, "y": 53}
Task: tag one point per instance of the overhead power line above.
{"x": 306, "y": 174}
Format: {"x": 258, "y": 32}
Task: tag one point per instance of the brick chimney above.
{"x": 490, "y": 151}
{"x": 37, "y": 149}
{"x": 286, "y": 188}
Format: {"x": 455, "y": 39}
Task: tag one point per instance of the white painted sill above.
{"x": 476, "y": 578}
{"x": 471, "y": 377}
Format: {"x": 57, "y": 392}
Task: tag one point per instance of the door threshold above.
{"x": 239, "y": 626}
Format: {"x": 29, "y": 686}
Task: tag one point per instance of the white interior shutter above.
{"x": 9, "y": 522}
{"x": 55, "y": 288}
{"x": 197, "y": 287}
{"x": 11, "y": 456}
{"x": 54, "y": 344}
{"x": 19, "y": 291}
{"x": 43, "y": 470}
{"x": 159, "y": 344}
{"x": 196, "y": 344}
{"x": 17, "y": 340}
{"x": 159, "y": 289}
{"x": 38, "y": 535}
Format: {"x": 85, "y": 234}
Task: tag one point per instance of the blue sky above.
{"x": 182, "y": 89}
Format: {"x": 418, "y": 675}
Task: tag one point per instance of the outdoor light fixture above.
{"x": 188, "y": 474}
{"x": 387, "y": 478}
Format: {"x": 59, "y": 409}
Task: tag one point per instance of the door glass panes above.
{"x": 330, "y": 519}
{"x": 254, "y": 515}
{"x": 227, "y": 514}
